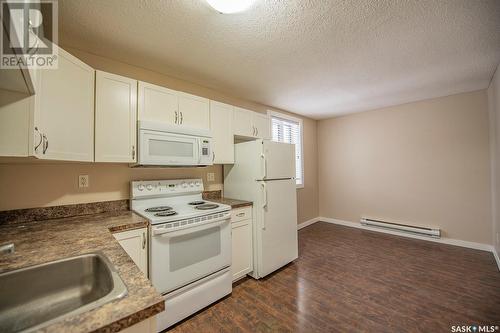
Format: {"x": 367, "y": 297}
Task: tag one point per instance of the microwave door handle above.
{"x": 199, "y": 150}
{"x": 207, "y": 225}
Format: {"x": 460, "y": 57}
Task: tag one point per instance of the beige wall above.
{"x": 31, "y": 185}
{"x": 48, "y": 184}
{"x": 494, "y": 108}
{"x": 424, "y": 163}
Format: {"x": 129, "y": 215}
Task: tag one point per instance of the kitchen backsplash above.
{"x": 53, "y": 184}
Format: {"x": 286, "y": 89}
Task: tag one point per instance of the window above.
{"x": 288, "y": 129}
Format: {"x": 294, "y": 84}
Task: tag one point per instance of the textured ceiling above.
{"x": 316, "y": 58}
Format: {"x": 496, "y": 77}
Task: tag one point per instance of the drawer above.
{"x": 240, "y": 214}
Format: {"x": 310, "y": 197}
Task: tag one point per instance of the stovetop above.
{"x": 164, "y": 201}
{"x": 175, "y": 209}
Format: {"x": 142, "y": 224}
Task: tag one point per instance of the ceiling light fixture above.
{"x": 230, "y": 6}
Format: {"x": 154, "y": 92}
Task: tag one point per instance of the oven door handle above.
{"x": 212, "y": 223}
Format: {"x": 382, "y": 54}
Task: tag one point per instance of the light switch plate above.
{"x": 211, "y": 177}
{"x": 83, "y": 181}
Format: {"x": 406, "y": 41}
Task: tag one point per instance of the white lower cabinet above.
{"x": 135, "y": 243}
{"x": 242, "y": 247}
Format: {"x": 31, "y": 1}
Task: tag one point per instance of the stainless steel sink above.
{"x": 36, "y": 296}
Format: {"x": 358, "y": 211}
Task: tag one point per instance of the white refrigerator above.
{"x": 264, "y": 173}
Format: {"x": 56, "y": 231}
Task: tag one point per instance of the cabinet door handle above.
{"x": 181, "y": 117}
{"x": 41, "y": 139}
{"x": 45, "y": 144}
{"x": 176, "y": 117}
{"x": 256, "y": 131}
{"x": 240, "y": 214}
{"x": 213, "y": 156}
{"x": 133, "y": 152}
{"x": 143, "y": 240}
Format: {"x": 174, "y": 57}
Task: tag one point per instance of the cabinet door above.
{"x": 221, "y": 126}
{"x": 157, "y": 103}
{"x": 242, "y": 122}
{"x": 115, "y": 118}
{"x": 262, "y": 124}
{"x": 135, "y": 242}
{"x": 194, "y": 111}
{"x": 64, "y": 110}
{"x": 242, "y": 249}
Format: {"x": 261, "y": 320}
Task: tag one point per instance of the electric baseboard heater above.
{"x": 422, "y": 231}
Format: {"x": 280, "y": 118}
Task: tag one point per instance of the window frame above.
{"x": 285, "y": 116}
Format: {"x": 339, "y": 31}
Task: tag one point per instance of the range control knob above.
{"x": 184, "y": 185}
{"x": 149, "y": 187}
{"x": 191, "y": 184}
{"x": 140, "y": 187}
{"x": 198, "y": 184}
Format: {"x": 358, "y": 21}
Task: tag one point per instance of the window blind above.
{"x": 289, "y": 131}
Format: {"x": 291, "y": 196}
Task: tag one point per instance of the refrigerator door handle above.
{"x": 264, "y": 162}
{"x": 264, "y": 205}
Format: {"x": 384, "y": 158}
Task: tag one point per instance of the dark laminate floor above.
{"x": 351, "y": 280}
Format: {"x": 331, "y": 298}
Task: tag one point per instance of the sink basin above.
{"x": 36, "y": 296}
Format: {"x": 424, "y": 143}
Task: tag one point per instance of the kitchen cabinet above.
{"x": 221, "y": 126}
{"x": 57, "y": 123}
{"x": 262, "y": 124}
{"x": 21, "y": 79}
{"x": 115, "y": 118}
{"x": 242, "y": 122}
{"x": 157, "y": 103}
{"x": 172, "y": 107}
{"x": 242, "y": 248}
{"x": 194, "y": 111}
{"x": 135, "y": 243}
{"x": 251, "y": 124}
{"x": 64, "y": 111}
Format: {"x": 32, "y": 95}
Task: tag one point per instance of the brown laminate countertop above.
{"x": 39, "y": 242}
{"x": 234, "y": 203}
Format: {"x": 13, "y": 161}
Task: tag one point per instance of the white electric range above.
{"x": 190, "y": 245}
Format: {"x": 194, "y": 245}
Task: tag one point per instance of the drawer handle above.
{"x": 240, "y": 214}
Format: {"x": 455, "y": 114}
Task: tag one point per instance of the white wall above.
{"x": 494, "y": 112}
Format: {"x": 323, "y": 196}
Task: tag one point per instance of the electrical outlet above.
{"x": 83, "y": 181}
{"x": 211, "y": 177}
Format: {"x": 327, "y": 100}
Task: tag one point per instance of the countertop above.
{"x": 39, "y": 242}
{"x": 234, "y": 203}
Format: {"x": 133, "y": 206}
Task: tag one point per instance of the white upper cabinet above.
{"x": 194, "y": 111}
{"x": 173, "y": 107}
{"x": 251, "y": 124}
{"x": 242, "y": 122}
{"x": 115, "y": 118}
{"x": 157, "y": 103}
{"x": 64, "y": 111}
{"x": 221, "y": 126}
{"x": 262, "y": 124}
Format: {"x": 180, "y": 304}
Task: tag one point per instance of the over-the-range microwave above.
{"x": 161, "y": 144}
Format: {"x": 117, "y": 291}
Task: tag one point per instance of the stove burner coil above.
{"x": 158, "y": 209}
{"x": 166, "y": 213}
{"x": 206, "y": 206}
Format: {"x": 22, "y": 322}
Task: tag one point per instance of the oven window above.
{"x": 170, "y": 148}
{"x": 187, "y": 250}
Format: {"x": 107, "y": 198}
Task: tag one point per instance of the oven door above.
{"x": 160, "y": 148}
{"x": 184, "y": 256}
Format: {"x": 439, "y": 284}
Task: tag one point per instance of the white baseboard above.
{"x": 448, "y": 241}
{"x": 442, "y": 240}
{"x": 497, "y": 258}
{"x": 307, "y": 223}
